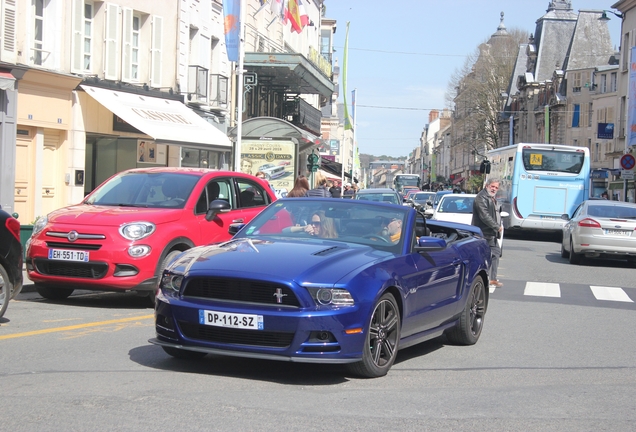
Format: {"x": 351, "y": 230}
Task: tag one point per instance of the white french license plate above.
{"x": 233, "y": 320}
{"x": 618, "y": 232}
{"x": 551, "y": 218}
{"x": 68, "y": 255}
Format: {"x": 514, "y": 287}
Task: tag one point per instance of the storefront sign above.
{"x": 605, "y": 131}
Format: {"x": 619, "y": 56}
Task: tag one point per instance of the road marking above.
{"x": 75, "y": 327}
{"x": 610, "y": 293}
{"x": 542, "y": 289}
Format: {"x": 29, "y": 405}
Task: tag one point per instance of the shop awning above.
{"x": 7, "y": 81}
{"x": 458, "y": 180}
{"x": 275, "y": 128}
{"x": 167, "y": 121}
{"x": 291, "y": 70}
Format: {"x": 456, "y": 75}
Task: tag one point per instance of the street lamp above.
{"x": 604, "y": 16}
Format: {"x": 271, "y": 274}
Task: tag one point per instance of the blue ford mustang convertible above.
{"x": 326, "y": 281}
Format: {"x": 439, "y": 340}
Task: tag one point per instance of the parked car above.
{"x": 121, "y": 235}
{"x": 600, "y": 229}
{"x": 10, "y": 260}
{"x": 379, "y": 194}
{"x": 272, "y": 171}
{"x": 358, "y": 282}
{"x": 458, "y": 208}
{"x": 421, "y": 200}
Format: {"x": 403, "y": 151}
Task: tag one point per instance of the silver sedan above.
{"x": 600, "y": 229}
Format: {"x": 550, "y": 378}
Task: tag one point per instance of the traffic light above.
{"x": 484, "y": 168}
{"x": 312, "y": 162}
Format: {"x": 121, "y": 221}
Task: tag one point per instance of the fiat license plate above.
{"x": 68, "y": 255}
{"x": 232, "y": 320}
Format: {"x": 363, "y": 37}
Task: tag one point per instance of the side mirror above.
{"x": 565, "y": 217}
{"x": 429, "y": 212}
{"x": 216, "y": 207}
{"x": 235, "y": 227}
{"x": 430, "y": 244}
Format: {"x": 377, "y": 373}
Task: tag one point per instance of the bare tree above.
{"x": 476, "y": 88}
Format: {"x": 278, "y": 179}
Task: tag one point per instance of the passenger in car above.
{"x": 320, "y": 226}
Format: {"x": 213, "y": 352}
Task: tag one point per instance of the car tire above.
{"x": 574, "y": 257}
{"x": 183, "y": 354}
{"x": 564, "y": 253}
{"x": 53, "y": 293}
{"x": 152, "y": 294}
{"x": 5, "y": 290}
{"x": 471, "y": 321}
{"x": 382, "y": 339}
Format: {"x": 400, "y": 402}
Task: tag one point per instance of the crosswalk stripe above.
{"x": 610, "y": 293}
{"x": 542, "y": 289}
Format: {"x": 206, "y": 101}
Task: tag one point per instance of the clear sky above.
{"x": 403, "y": 53}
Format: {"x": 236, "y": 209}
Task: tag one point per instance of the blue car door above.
{"x": 433, "y": 289}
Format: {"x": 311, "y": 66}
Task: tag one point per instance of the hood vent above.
{"x": 328, "y": 251}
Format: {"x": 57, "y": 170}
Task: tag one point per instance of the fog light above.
{"x": 138, "y": 251}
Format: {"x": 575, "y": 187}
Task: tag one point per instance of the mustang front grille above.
{"x": 92, "y": 270}
{"x": 241, "y": 290}
{"x": 235, "y": 336}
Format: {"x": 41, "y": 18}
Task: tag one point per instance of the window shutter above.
{"x": 126, "y": 60}
{"x": 77, "y": 50}
{"x": 155, "y": 51}
{"x": 111, "y": 64}
{"x": 610, "y": 115}
{"x": 7, "y": 48}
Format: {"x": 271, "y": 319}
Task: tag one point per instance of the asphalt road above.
{"x": 544, "y": 362}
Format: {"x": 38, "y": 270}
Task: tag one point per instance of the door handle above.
{"x": 238, "y": 220}
{"x": 457, "y": 262}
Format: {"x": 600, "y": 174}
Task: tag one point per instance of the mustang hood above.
{"x": 84, "y": 214}
{"x": 304, "y": 262}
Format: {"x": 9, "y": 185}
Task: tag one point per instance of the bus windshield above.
{"x": 552, "y": 160}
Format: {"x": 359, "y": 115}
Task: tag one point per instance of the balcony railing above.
{"x": 302, "y": 114}
{"x": 218, "y": 90}
{"x": 198, "y": 84}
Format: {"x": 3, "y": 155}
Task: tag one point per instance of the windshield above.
{"x": 349, "y": 221}
{"x": 407, "y": 181}
{"x": 141, "y": 189}
{"x": 454, "y": 204}
{"x": 553, "y": 160}
{"x": 423, "y": 196}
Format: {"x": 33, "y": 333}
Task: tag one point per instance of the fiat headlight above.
{"x": 39, "y": 224}
{"x": 331, "y": 296}
{"x": 136, "y": 230}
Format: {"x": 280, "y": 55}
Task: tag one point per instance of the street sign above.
{"x": 627, "y": 175}
{"x": 628, "y": 161}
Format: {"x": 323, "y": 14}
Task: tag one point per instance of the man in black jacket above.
{"x": 486, "y": 217}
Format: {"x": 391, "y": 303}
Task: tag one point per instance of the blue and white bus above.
{"x": 539, "y": 183}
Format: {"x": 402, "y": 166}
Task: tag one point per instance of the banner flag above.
{"x": 231, "y": 17}
{"x": 347, "y": 119}
{"x": 293, "y": 13}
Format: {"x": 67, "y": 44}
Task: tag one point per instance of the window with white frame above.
{"x": 82, "y": 39}
{"x": 38, "y": 31}
{"x": 134, "y": 61}
{"x": 88, "y": 36}
{"x": 604, "y": 83}
{"x": 613, "y": 82}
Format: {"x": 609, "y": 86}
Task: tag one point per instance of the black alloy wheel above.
{"x": 471, "y": 321}
{"x": 381, "y": 345}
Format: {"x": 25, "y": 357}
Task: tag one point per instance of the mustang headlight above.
{"x": 171, "y": 281}
{"x": 136, "y": 230}
{"x": 331, "y": 296}
{"x": 39, "y": 224}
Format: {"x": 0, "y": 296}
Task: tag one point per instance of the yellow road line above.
{"x": 74, "y": 327}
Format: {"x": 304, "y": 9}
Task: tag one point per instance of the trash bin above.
{"x": 25, "y": 234}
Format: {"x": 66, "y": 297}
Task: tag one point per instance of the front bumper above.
{"x": 289, "y": 334}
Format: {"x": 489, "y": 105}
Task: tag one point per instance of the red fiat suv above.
{"x": 122, "y": 235}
